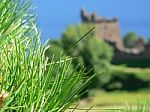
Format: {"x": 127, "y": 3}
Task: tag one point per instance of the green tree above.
{"x": 148, "y": 40}
{"x": 130, "y": 39}
{"x": 92, "y": 52}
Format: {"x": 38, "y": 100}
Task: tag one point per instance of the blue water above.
{"x": 55, "y": 15}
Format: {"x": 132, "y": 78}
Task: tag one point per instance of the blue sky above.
{"x": 55, "y": 15}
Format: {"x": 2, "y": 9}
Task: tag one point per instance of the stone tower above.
{"x": 106, "y": 29}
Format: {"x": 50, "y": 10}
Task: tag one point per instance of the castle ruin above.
{"x": 106, "y": 29}
{"x": 109, "y": 31}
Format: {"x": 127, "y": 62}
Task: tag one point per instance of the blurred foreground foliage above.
{"x": 28, "y": 82}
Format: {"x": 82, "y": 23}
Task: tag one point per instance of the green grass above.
{"x": 139, "y": 72}
{"x": 135, "y": 101}
{"x": 118, "y": 101}
{"x": 119, "y": 98}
